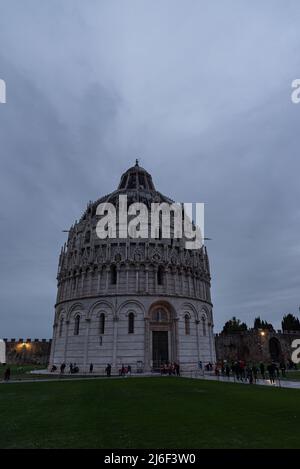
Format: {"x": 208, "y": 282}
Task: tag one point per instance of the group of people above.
{"x": 170, "y": 369}
{"x": 125, "y": 370}
{"x": 243, "y": 371}
{"x": 73, "y": 368}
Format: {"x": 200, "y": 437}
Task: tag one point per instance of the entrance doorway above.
{"x": 275, "y": 349}
{"x": 160, "y": 348}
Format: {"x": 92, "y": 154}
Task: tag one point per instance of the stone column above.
{"x": 91, "y": 282}
{"x": 82, "y": 283}
{"x": 147, "y": 367}
{"x": 182, "y": 281}
{"x": 66, "y": 340}
{"x": 176, "y": 354}
{"x": 147, "y": 278}
{"x": 118, "y": 278}
{"x": 127, "y": 277}
{"x": 137, "y": 279}
{"x": 86, "y": 345}
{"x": 99, "y": 281}
{"x": 174, "y": 273}
{"x": 197, "y": 322}
{"x": 155, "y": 278}
{"x": 107, "y": 277}
{"x": 115, "y": 342}
{"x": 166, "y": 274}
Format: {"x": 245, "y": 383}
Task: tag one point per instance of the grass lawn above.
{"x": 163, "y": 412}
{"x": 20, "y": 371}
{"x": 292, "y": 375}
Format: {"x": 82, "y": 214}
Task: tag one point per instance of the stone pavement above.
{"x": 206, "y": 377}
{"x": 279, "y": 383}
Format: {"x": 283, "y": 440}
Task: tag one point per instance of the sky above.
{"x": 199, "y": 90}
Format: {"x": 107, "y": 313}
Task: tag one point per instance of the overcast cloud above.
{"x": 199, "y": 90}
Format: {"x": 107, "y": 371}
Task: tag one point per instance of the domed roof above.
{"x": 137, "y": 184}
{"x": 137, "y": 178}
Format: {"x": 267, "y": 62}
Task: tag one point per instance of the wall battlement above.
{"x": 27, "y": 351}
{"x": 27, "y": 340}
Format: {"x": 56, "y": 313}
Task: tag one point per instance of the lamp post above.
{"x": 262, "y": 334}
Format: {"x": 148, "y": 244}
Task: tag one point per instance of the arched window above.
{"x": 187, "y": 326}
{"x": 102, "y": 323}
{"x": 203, "y": 325}
{"x": 61, "y": 325}
{"x": 77, "y": 325}
{"x": 113, "y": 275}
{"x": 160, "y": 275}
{"x": 160, "y": 315}
{"x": 87, "y": 236}
{"x": 130, "y": 323}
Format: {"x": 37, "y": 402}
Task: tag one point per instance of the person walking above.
{"x": 262, "y": 370}
{"x": 283, "y": 369}
{"x": 254, "y": 371}
{"x": 249, "y": 374}
{"x": 271, "y": 371}
{"x": 7, "y": 374}
{"x": 91, "y": 367}
{"x": 108, "y": 370}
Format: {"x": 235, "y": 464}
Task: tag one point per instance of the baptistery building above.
{"x": 143, "y": 302}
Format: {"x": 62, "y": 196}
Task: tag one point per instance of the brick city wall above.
{"x": 27, "y": 351}
{"x": 255, "y": 345}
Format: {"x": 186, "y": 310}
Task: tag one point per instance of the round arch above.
{"x": 275, "y": 349}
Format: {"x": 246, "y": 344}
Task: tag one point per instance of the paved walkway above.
{"x": 279, "y": 383}
{"x": 206, "y": 377}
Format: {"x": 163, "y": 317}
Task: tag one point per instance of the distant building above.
{"x": 2, "y": 351}
{"x": 142, "y": 302}
{"x": 27, "y": 351}
{"x": 255, "y": 345}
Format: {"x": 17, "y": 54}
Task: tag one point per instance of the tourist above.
{"x": 91, "y": 368}
{"x": 62, "y": 368}
{"x": 255, "y": 372}
{"x": 271, "y": 371}
{"x": 7, "y": 374}
{"x": 129, "y": 369}
{"x": 283, "y": 369}
{"x": 71, "y": 368}
{"x": 108, "y": 369}
{"x": 262, "y": 370}
{"x": 122, "y": 371}
{"x": 249, "y": 374}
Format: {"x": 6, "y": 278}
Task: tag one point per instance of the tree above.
{"x": 234, "y": 325}
{"x": 290, "y": 323}
{"x": 261, "y": 324}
